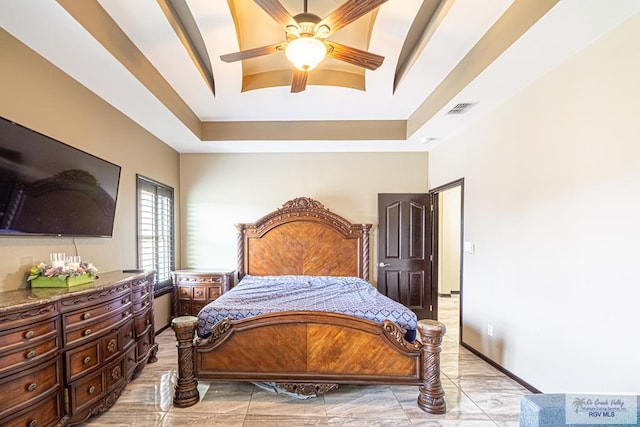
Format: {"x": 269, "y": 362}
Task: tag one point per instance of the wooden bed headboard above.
{"x": 303, "y": 238}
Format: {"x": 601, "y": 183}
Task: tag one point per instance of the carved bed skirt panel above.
{"x": 301, "y": 346}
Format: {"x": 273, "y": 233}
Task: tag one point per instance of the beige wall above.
{"x": 36, "y": 94}
{"x": 219, "y": 190}
{"x": 552, "y": 202}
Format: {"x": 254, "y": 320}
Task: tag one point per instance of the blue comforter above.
{"x": 352, "y": 296}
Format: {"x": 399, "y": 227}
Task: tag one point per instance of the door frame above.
{"x": 435, "y": 238}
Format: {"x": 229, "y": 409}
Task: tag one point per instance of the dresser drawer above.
{"x": 128, "y": 334}
{"x": 113, "y": 344}
{"x": 77, "y": 304}
{"x": 184, "y": 292}
{"x": 86, "y": 391}
{"x": 115, "y": 373}
{"x": 87, "y": 330}
{"x": 30, "y": 355}
{"x": 144, "y": 343}
{"x": 82, "y": 360}
{"x": 197, "y": 306}
{"x": 143, "y": 322}
{"x": 26, "y": 389}
{"x": 140, "y": 291}
{"x": 199, "y": 293}
{"x": 184, "y": 308}
{"x": 10, "y": 339}
{"x": 214, "y": 292}
{"x": 45, "y": 413}
{"x": 139, "y": 304}
{"x": 87, "y": 315}
{"x": 13, "y": 319}
{"x": 131, "y": 361}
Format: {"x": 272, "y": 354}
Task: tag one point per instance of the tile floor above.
{"x": 476, "y": 395}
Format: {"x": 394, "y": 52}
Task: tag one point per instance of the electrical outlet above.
{"x": 489, "y": 329}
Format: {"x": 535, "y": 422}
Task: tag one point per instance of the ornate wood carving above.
{"x": 307, "y": 389}
{"x": 303, "y": 237}
{"x": 20, "y": 315}
{"x": 105, "y": 403}
{"x": 97, "y": 296}
{"x": 396, "y": 334}
{"x": 186, "y": 391}
{"x": 303, "y": 203}
{"x": 431, "y": 398}
{"x": 219, "y": 329}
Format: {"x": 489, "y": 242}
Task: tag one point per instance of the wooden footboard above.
{"x": 307, "y": 348}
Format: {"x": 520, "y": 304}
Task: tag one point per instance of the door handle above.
{"x": 382, "y": 265}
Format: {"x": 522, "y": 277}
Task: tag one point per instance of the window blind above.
{"x": 155, "y": 231}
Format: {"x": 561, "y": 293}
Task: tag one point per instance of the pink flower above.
{"x": 52, "y": 271}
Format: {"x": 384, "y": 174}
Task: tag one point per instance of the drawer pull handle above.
{"x": 86, "y": 360}
{"x": 86, "y": 316}
{"x": 29, "y": 334}
{"x": 125, "y": 314}
{"x": 92, "y": 389}
{"x": 33, "y": 423}
{"x": 31, "y": 354}
{"x": 87, "y": 332}
{"x": 32, "y": 387}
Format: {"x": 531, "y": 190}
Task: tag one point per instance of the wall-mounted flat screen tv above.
{"x": 48, "y": 188}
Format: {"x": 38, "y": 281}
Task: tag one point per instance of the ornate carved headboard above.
{"x": 303, "y": 237}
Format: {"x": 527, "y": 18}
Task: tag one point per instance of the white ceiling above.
{"x": 51, "y": 31}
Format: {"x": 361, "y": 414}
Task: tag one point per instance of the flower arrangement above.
{"x": 62, "y": 273}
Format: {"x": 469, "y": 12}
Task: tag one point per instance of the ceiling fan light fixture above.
{"x": 305, "y": 53}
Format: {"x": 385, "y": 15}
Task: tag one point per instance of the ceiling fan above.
{"x": 306, "y": 35}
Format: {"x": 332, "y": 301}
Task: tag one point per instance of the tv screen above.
{"x": 50, "y": 188}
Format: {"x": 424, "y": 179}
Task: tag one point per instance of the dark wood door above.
{"x": 404, "y": 250}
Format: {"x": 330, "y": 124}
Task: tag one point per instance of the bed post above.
{"x": 240, "y": 254}
{"x": 431, "y": 397}
{"x": 186, "y": 393}
{"x": 365, "y": 251}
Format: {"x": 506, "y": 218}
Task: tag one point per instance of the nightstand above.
{"x": 193, "y": 289}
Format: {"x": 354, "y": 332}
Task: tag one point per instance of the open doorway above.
{"x": 447, "y": 223}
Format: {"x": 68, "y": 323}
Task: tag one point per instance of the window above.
{"x": 155, "y": 231}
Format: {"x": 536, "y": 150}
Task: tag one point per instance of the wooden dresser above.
{"x": 196, "y": 288}
{"x": 67, "y": 354}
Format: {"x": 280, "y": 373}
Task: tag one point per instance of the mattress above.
{"x": 255, "y": 295}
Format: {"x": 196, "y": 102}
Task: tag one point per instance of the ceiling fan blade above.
{"x": 354, "y": 56}
{"x": 253, "y": 53}
{"x": 348, "y": 12}
{"x": 277, "y": 11}
{"x": 299, "y": 81}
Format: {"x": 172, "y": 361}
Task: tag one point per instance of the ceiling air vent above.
{"x": 461, "y": 108}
